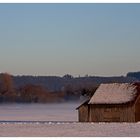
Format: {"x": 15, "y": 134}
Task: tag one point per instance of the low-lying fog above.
{"x": 39, "y": 112}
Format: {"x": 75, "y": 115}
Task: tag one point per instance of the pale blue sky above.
{"x": 79, "y": 39}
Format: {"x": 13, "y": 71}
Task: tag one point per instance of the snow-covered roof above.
{"x": 114, "y": 93}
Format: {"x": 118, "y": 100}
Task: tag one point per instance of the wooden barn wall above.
{"x": 111, "y": 113}
{"x": 137, "y": 109}
{"x": 83, "y": 113}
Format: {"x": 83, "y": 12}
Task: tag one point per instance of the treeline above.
{"x": 44, "y": 89}
{"x": 33, "y": 93}
{"x": 134, "y": 75}
{"x": 27, "y": 93}
{"x": 57, "y": 83}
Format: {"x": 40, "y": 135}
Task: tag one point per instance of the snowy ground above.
{"x": 54, "y": 115}
{"x": 73, "y": 129}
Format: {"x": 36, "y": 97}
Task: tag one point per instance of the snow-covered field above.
{"x": 54, "y": 115}
{"x": 72, "y": 129}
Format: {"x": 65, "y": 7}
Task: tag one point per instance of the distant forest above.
{"x": 46, "y": 89}
{"x": 134, "y": 74}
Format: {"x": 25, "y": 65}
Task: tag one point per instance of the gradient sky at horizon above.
{"x": 79, "y": 39}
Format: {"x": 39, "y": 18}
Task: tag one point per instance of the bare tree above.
{"x": 6, "y": 88}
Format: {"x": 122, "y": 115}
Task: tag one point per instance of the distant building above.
{"x": 112, "y": 103}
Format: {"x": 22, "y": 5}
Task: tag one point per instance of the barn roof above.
{"x": 115, "y": 93}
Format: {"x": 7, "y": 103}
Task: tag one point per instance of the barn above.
{"x": 116, "y": 102}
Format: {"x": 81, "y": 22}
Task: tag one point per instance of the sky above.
{"x": 76, "y": 39}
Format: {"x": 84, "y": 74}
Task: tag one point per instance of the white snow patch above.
{"x": 49, "y": 123}
{"x": 114, "y": 93}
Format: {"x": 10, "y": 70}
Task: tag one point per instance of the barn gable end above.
{"x": 137, "y": 109}
{"x": 83, "y": 110}
{"x": 137, "y": 103}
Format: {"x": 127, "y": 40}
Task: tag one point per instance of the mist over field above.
{"x": 39, "y": 112}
